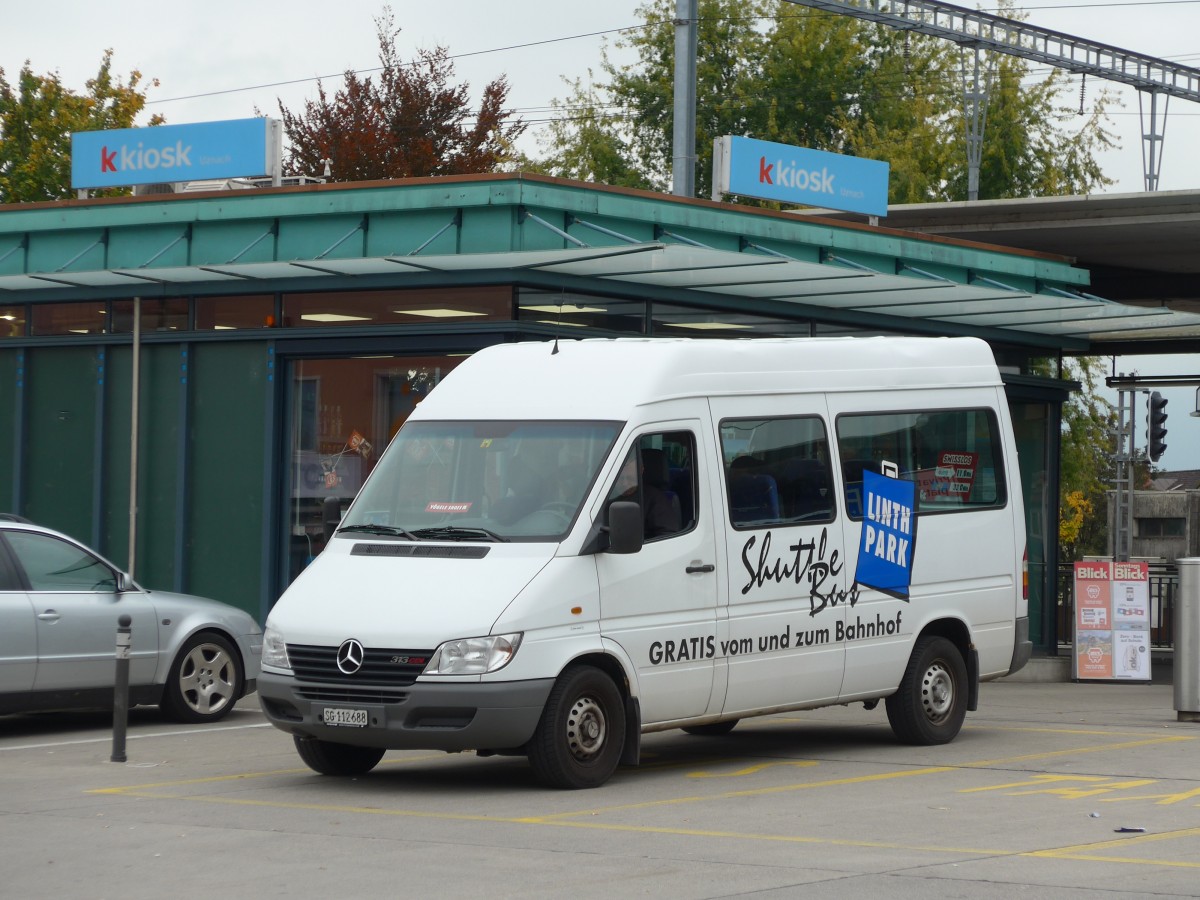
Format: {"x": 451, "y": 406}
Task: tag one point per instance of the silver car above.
{"x": 59, "y": 606}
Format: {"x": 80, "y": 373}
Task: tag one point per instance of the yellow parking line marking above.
{"x": 724, "y": 795}
{"x": 573, "y": 819}
{"x": 133, "y": 790}
{"x": 1094, "y": 748}
{"x": 1089, "y": 852}
{"x": 754, "y": 770}
{"x": 1095, "y": 852}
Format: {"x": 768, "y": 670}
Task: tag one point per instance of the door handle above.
{"x": 706, "y": 567}
{"x": 50, "y": 615}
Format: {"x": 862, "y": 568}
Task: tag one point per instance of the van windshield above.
{"x": 485, "y": 480}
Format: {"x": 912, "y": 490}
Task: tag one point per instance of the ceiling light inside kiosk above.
{"x": 438, "y": 313}
{"x": 333, "y": 317}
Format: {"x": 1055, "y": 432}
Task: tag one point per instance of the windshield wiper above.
{"x": 378, "y": 529}
{"x": 458, "y": 533}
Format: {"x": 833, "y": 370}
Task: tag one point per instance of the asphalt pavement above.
{"x": 1057, "y": 790}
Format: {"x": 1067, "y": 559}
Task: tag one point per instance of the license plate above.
{"x": 336, "y": 715}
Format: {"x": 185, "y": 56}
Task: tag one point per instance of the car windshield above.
{"x": 481, "y": 481}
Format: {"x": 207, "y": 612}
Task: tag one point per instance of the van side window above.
{"x": 953, "y": 455}
{"x": 659, "y": 473}
{"x": 777, "y": 471}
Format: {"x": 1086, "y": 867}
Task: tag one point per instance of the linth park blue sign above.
{"x": 234, "y": 148}
{"x": 795, "y": 175}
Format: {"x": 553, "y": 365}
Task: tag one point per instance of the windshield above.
{"x": 488, "y": 481}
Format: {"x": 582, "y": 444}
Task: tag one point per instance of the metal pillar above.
{"x": 1154, "y": 131}
{"x": 1186, "y": 675}
{"x": 1122, "y": 530}
{"x": 975, "y": 100}
{"x": 683, "y": 161}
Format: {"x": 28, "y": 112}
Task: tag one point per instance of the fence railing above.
{"x": 1164, "y": 586}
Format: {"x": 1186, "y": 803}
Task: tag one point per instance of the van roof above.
{"x": 607, "y": 378}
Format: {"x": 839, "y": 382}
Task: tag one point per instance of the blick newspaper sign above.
{"x": 1112, "y": 621}
{"x": 235, "y": 148}
{"x": 771, "y": 171}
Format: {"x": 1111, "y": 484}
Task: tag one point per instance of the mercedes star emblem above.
{"x": 350, "y": 656}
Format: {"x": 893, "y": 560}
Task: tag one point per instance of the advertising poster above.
{"x": 885, "y": 550}
{"x": 951, "y": 479}
{"x": 1112, "y": 621}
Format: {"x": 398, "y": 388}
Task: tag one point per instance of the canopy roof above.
{"x": 556, "y": 234}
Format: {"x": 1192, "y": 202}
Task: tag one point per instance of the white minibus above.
{"x": 569, "y": 545}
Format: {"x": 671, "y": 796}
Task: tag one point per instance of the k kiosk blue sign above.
{"x": 235, "y": 148}
{"x": 787, "y": 174}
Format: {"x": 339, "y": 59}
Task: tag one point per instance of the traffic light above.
{"x": 1156, "y": 426}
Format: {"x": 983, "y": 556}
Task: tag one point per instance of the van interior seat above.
{"x": 656, "y": 472}
{"x": 804, "y": 487}
{"x": 753, "y": 497}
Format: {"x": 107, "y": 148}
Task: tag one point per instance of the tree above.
{"x": 773, "y": 70}
{"x": 585, "y": 142}
{"x": 411, "y": 122}
{"x": 1086, "y": 468}
{"x": 38, "y": 117}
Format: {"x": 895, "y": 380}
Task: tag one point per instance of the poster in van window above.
{"x": 1112, "y": 621}
{"x": 889, "y": 530}
{"x": 951, "y": 479}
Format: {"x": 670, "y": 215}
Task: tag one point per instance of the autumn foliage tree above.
{"x": 38, "y": 116}
{"x": 410, "y": 121}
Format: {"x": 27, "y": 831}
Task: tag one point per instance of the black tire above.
{"x": 205, "y": 680}
{"x": 713, "y": 729}
{"x": 328, "y": 758}
{"x": 931, "y": 704}
{"x": 579, "y": 739}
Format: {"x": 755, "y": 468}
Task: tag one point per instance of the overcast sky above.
{"x": 225, "y": 60}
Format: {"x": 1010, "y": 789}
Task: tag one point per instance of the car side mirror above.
{"x": 626, "y": 527}
{"x": 124, "y": 582}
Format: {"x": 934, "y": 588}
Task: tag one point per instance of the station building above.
{"x": 191, "y": 382}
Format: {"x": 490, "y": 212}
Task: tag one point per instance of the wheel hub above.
{"x": 586, "y": 729}
{"x": 937, "y": 692}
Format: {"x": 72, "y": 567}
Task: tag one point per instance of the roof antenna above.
{"x": 561, "y": 299}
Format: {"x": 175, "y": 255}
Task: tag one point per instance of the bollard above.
{"x": 121, "y": 689}
{"x": 1186, "y": 674}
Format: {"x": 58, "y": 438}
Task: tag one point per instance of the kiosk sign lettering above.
{"x": 787, "y": 174}
{"x": 1112, "y": 621}
{"x": 233, "y": 148}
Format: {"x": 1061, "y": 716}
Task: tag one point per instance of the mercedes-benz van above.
{"x": 569, "y": 545}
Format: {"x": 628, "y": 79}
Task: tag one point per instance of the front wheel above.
{"x": 328, "y": 758}
{"x": 931, "y": 704}
{"x": 205, "y": 680}
{"x": 578, "y": 741}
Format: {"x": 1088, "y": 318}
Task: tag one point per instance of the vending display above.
{"x": 1112, "y": 621}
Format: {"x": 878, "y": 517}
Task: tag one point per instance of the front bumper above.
{"x": 437, "y": 716}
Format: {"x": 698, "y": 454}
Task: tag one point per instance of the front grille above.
{"x": 388, "y": 668}
{"x": 376, "y": 696}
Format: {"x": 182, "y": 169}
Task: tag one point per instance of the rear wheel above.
{"x": 329, "y": 758}
{"x": 713, "y": 729}
{"x": 931, "y": 704}
{"x": 205, "y": 680}
{"x": 578, "y": 741}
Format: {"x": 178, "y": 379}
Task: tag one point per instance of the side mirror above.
{"x": 124, "y": 582}
{"x": 626, "y": 527}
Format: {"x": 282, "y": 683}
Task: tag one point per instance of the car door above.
{"x": 660, "y": 603}
{"x": 18, "y": 638}
{"x": 789, "y": 581}
{"x": 76, "y": 606}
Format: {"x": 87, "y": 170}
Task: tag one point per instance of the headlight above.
{"x": 274, "y": 651}
{"x": 473, "y": 656}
